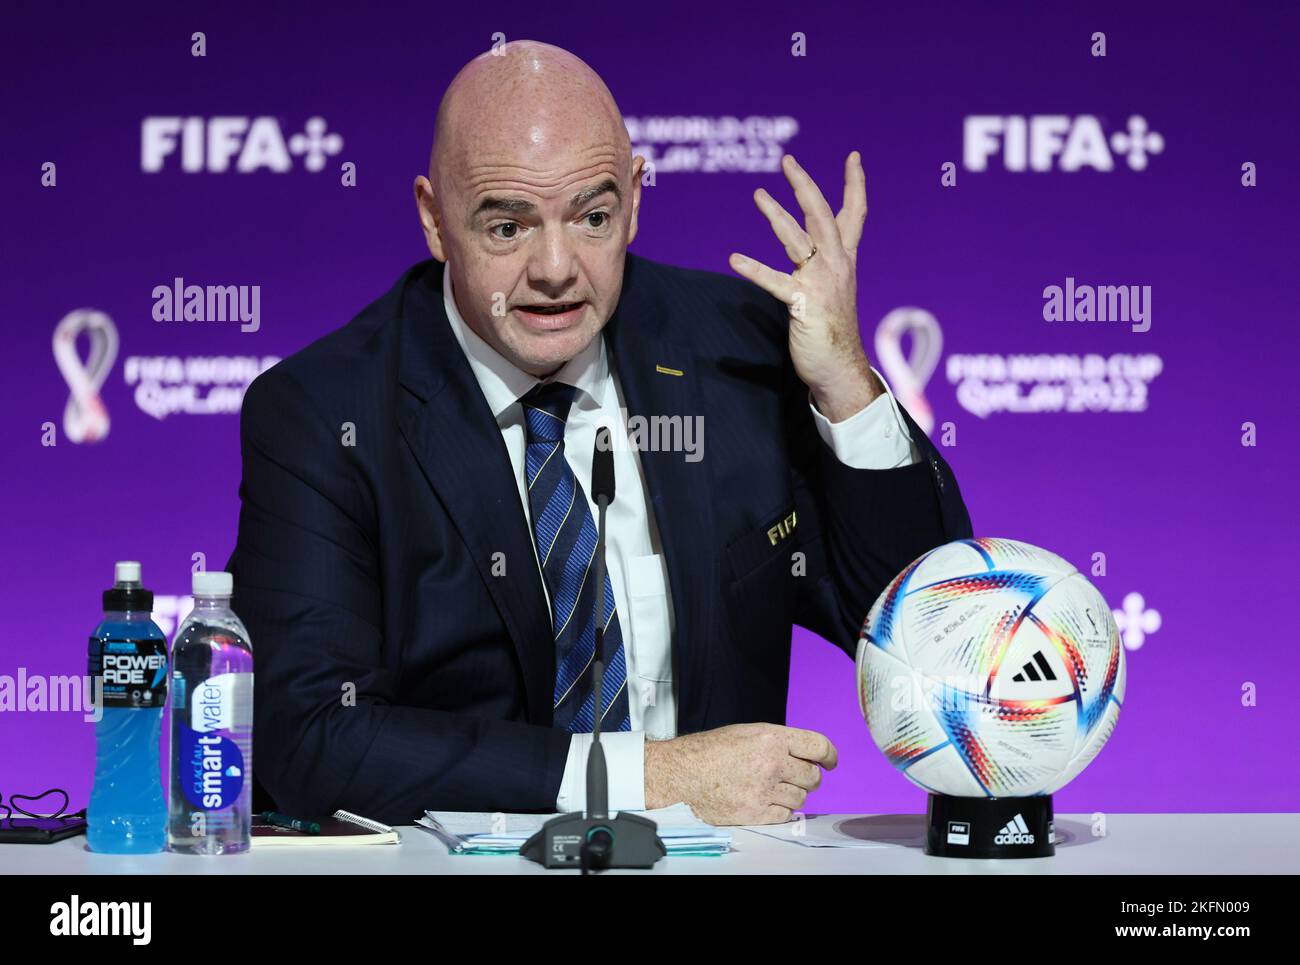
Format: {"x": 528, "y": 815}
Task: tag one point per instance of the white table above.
{"x": 1134, "y": 844}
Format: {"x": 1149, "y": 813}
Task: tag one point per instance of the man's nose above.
{"x": 553, "y": 263}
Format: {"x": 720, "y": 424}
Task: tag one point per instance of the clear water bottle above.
{"x": 127, "y": 813}
{"x": 212, "y": 726}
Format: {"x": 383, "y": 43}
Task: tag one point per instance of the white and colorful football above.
{"x": 990, "y": 668}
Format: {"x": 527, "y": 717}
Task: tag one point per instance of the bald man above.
{"x": 417, "y": 531}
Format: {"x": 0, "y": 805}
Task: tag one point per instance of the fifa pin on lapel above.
{"x": 665, "y": 370}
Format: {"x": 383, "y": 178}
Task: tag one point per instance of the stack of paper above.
{"x": 467, "y": 832}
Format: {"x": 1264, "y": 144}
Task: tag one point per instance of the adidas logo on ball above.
{"x": 1027, "y": 672}
{"x": 1015, "y": 832}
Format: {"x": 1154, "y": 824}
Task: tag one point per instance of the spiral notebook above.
{"x": 344, "y": 829}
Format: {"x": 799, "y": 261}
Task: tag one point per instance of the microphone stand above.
{"x": 594, "y": 841}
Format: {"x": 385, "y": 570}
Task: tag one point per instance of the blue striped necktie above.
{"x": 565, "y": 536}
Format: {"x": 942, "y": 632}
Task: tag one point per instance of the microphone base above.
{"x": 559, "y": 843}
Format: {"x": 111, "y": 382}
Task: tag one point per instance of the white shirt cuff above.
{"x": 874, "y": 438}
{"x": 624, "y": 762}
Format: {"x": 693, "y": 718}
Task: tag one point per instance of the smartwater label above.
{"x": 212, "y": 769}
{"x": 212, "y": 765}
{"x": 134, "y": 671}
{"x": 212, "y": 703}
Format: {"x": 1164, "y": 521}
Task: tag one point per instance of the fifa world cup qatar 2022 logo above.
{"x": 85, "y": 418}
{"x": 908, "y": 374}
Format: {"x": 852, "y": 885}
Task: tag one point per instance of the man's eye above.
{"x": 599, "y": 214}
{"x": 513, "y": 225}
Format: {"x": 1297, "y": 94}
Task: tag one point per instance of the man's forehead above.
{"x": 549, "y": 153}
{"x": 513, "y": 200}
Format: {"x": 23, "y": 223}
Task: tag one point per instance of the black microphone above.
{"x": 602, "y": 470}
{"x": 602, "y": 492}
{"x": 594, "y": 841}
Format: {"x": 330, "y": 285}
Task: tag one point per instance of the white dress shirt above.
{"x": 875, "y": 438}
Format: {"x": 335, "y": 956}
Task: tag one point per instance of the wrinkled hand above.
{"x": 821, "y": 292}
{"x": 741, "y": 774}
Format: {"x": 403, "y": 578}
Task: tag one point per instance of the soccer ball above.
{"x": 990, "y": 668}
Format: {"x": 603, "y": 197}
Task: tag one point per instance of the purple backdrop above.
{"x": 1201, "y": 526}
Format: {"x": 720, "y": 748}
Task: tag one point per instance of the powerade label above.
{"x": 211, "y": 763}
{"x": 134, "y": 671}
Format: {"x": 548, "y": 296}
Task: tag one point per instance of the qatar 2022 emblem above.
{"x": 85, "y": 418}
{"x": 908, "y": 374}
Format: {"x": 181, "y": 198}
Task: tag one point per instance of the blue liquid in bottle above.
{"x": 127, "y": 813}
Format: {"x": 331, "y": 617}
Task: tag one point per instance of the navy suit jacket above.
{"x": 396, "y": 671}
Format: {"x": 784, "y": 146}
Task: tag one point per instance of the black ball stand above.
{"x": 996, "y": 827}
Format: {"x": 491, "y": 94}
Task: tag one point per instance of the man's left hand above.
{"x": 821, "y": 291}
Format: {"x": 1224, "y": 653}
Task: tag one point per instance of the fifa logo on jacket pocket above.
{"x": 782, "y": 529}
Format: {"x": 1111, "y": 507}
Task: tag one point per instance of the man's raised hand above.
{"x": 820, "y": 292}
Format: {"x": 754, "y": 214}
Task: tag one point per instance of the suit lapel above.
{"x": 679, "y": 491}
{"x": 457, "y": 443}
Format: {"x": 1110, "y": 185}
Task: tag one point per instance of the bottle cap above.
{"x": 213, "y": 583}
{"x": 126, "y": 594}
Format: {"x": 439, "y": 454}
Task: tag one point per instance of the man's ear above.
{"x": 427, "y": 208}
{"x": 638, "y": 163}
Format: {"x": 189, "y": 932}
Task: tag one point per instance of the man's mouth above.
{"x": 550, "y": 315}
{"x": 555, "y": 309}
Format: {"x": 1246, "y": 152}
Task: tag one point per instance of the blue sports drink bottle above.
{"x": 127, "y": 813}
